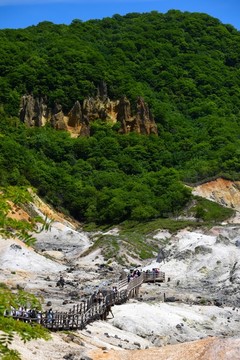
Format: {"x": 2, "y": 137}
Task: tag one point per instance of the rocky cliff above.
{"x": 36, "y": 112}
{"x": 222, "y": 191}
{"x": 142, "y": 122}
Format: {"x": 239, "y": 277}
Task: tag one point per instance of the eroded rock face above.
{"x": 222, "y": 191}
{"x": 144, "y": 119}
{"x": 57, "y": 120}
{"x": 142, "y": 122}
{"x": 35, "y": 112}
{"x": 124, "y": 115}
{"x": 75, "y": 115}
{"x": 94, "y": 108}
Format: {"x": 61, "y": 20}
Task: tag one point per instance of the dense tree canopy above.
{"x": 187, "y": 68}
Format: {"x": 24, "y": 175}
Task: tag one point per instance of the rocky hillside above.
{"x": 222, "y": 191}
{"x": 201, "y": 308}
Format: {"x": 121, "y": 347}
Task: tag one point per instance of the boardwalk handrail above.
{"x": 154, "y": 276}
{"x": 135, "y": 282}
{"x": 122, "y": 283}
{"x": 93, "y": 309}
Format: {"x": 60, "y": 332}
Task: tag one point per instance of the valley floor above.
{"x": 199, "y": 320}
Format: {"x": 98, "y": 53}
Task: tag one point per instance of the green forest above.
{"x": 187, "y": 68}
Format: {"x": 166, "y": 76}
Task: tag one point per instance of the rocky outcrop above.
{"x": 58, "y": 120}
{"x": 96, "y": 108}
{"x": 36, "y": 112}
{"x": 142, "y": 122}
{"x": 75, "y": 115}
{"x": 144, "y": 119}
{"x": 99, "y": 107}
{"x": 124, "y": 115}
{"x": 222, "y": 191}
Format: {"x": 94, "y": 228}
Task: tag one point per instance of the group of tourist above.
{"x": 30, "y": 315}
{"x": 25, "y": 314}
{"x": 134, "y": 274}
{"x": 98, "y": 296}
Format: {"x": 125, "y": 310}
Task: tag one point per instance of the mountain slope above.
{"x": 185, "y": 66}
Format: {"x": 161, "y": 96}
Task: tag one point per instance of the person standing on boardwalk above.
{"x": 99, "y": 297}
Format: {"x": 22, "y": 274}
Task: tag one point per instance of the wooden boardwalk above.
{"x": 94, "y": 309}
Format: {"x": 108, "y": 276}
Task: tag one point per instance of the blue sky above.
{"x": 23, "y": 13}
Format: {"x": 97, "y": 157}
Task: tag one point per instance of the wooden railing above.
{"x": 153, "y": 276}
{"x": 93, "y": 309}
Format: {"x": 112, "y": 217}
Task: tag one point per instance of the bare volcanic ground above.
{"x": 205, "y": 349}
{"x": 143, "y": 328}
{"x": 201, "y": 322}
